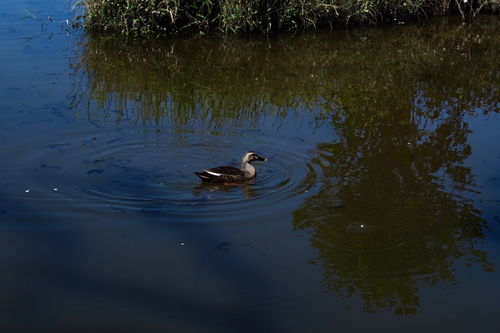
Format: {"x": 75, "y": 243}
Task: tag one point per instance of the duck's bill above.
{"x": 262, "y": 159}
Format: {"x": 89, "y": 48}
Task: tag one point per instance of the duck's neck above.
{"x": 249, "y": 169}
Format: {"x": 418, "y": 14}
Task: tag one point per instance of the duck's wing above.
{"x": 224, "y": 173}
{"x": 226, "y": 170}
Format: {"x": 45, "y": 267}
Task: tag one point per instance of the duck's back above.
{"x": 226, "y": 174}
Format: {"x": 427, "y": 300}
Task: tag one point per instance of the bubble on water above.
{"x": 357, "y": 227}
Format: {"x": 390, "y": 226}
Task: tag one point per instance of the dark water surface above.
{"x": 379, "y": 207}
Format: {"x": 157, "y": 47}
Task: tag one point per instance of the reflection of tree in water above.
{"x": 390, "y": 217}
{"x": 394, "y": 212}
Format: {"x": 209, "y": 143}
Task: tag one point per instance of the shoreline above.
{"x": 156, "y": 18}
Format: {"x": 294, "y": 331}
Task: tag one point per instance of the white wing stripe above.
{"x": 212, "y": 173}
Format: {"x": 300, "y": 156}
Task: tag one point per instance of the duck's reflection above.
{"x": 245, "y": 188}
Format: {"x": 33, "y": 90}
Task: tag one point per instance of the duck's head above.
{"x": 251, "y": 156}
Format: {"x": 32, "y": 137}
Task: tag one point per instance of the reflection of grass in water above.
{"x": 48, "y": 26}
{"x": 29, "y": 15}
{"x": 368, "y": 75}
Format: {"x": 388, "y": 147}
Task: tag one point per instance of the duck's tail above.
{"x": 204, "y": 176}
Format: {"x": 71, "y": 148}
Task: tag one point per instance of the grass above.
{"x": 157, "y": 17}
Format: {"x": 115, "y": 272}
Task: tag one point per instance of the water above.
{"x": 378, "y": 207}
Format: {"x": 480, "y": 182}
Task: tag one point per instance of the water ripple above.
{"x": 131, "y": 174}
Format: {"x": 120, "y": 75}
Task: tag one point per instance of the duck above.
{"x": 230, "y": 174}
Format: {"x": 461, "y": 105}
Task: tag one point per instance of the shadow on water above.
{"x": 52, "y": 280}
{"x": 393, "y": 209}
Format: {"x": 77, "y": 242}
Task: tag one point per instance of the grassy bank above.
{"x": 153, "y": 17}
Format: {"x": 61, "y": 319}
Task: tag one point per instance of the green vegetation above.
{"x": 156, "y": 17}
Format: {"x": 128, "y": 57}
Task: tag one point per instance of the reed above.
{"x": 158, "y": 17}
